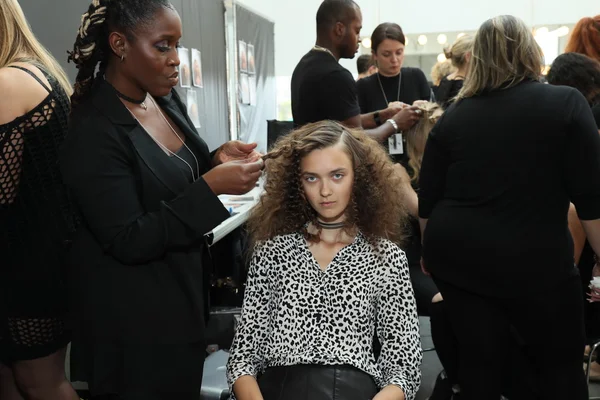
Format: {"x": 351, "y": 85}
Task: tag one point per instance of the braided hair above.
{"x": 91, "y": 49}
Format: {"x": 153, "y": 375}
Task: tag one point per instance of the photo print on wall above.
{"x": 185, "y": 73}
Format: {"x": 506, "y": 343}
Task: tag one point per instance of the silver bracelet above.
{"x": 394, "y": 124}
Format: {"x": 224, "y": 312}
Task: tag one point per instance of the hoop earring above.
{"x": 122, "y": 57}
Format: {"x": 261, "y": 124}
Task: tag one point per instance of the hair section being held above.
{"x": 416, "y": 137}
{"x": 377, "y": 207}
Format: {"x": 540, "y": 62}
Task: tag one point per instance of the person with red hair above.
{"x": 585, "y": 38}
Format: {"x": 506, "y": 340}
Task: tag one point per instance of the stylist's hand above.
{"x": 390, "y": 392}
{"x": 392, "y": 109}
{"x": 407, "y": 117}
{"x": 234, "y": 177}
{"x": 398, "y": 104}
{"x": 236, "y": 151}
{"x": 420, "y": 103}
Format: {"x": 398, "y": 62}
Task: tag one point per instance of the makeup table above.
{"x": 239, "y": 208}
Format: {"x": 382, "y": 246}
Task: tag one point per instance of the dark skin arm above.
{"x": 368, "y": 120}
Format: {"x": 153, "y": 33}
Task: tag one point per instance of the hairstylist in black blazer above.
{"x": 146, "y": 187}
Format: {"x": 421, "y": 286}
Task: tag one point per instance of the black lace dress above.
{"x": 36, "y": 222}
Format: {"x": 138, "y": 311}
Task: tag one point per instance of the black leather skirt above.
{"x": 316, "y": 382}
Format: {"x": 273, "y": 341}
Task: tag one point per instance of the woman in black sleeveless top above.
{"x": 35, "y": 216}
{"x": 459, "y": 55}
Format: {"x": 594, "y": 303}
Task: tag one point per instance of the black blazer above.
{"x": 136, "y": 261}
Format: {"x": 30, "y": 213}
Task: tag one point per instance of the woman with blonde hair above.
{"x": 498, "y": 173}
{"x": 459, "y": 55}
{"x": 327, "y": 276}
{"x": 36, "y": 220}
{"x": 439, "y": 71}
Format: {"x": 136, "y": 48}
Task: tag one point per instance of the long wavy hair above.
{"x": 504, "y": 54}
{"x": 376, "y": 208}
{"x": 585, "y": 38}
{"x": 417, "y": 136}
{"x": 18, "y": 43}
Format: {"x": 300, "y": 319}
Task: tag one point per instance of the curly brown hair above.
{"x": 377, "y": 206}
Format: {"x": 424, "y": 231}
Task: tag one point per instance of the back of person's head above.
{"x": 440, "y": 70}
{"x": 20, "y": 44}
{"x": 585, "y": 38}
{"x": 417, "y": 136}
{"x": 458, "y": 53}
{"x": 363, "y": 63}
{"x": 377, "y": 203}
{"x": 387, "y": 30}
{"x": 578, "y": 71}
{"x": 92, "y": 51}
{"x": 504, "y": 54}
{"x": 333, "y": 11}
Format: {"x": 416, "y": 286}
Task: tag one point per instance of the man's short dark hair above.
{"x": 578, "y": 71}
{"x": 332, "y": 11}
{"x": 363, "y": 63}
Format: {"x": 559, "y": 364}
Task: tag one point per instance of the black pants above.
{"x": 142, "y": 371}
{"x": 316, "y": 382}
{"x": 551, "y": 325}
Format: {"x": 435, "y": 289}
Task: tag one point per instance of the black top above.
{"x": 413, "y": 86}
{"x": 137, "y": 263}
{"x": 447, "y": 91}
{"x": 186, "y": 160}
{"x": 322, "y": 89}
{"x": 596, "y": 112}
{"x": 498, "y": 173}
{"x": 36, "y": 217}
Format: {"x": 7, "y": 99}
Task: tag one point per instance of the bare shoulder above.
{"x": 20, "y": 92}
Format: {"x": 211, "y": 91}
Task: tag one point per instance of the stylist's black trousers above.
{"x": 549, "y": 322}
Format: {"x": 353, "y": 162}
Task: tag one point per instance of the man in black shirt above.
{"x": 323, "y": 89}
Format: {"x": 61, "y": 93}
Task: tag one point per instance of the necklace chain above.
{"x": 323, "y": 49}
{"x": 162, "y": 146}
{"x": 383, "y": 91}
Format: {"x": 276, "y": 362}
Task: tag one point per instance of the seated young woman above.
{"x": 327, "y": 276}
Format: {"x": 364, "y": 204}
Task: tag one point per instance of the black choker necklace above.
{"x": 331, "y": 225}
{"x": 132, "y": 100}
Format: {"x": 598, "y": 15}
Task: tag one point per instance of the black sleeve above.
{"x": 582, "y": 161}
{"x": 11, "y": 137}
{"x": 363, "y": 95}
{"x": 596, "y": 112}
{"x": 424, "y": 89}
{"x": 100, "y": 173}
{"x": 432, "y": 178}
{"x": 340, "y": 96}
